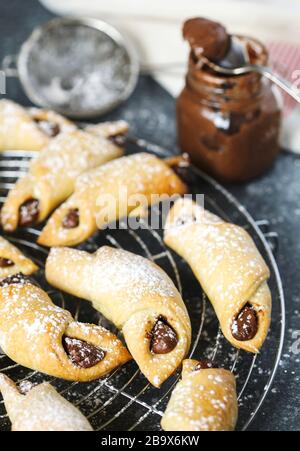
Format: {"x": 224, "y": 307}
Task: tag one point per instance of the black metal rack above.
{"x": 124, "y": 400}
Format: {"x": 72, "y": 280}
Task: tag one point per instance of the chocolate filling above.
{"x": 18, "y": 279}
{"x": 185, "y": 219}
{"x": 81, "y": 353}
{"x": 6, "y": 263}
{"x": 51, "y": 129}
{"x": 204, "y": 365}
{"x": 71, "y": 220}
{"x": 29, "y": 212}
{"x": 183, "y": 170}
{"x": 119, "y": 140}
{"x": 245, "y": 325}
{"x": 163, "y": 337}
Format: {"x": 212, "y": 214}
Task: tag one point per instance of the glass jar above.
{"x": 230, "y": 125}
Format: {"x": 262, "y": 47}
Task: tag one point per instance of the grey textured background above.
{"x": 276, "y": 197}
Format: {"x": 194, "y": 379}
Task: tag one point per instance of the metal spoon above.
{"x": 237, "y": 63}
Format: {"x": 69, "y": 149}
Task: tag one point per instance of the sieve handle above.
{"x": 9, "y": 66}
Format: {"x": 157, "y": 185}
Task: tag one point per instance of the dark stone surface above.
{"x": 275, "y": 197}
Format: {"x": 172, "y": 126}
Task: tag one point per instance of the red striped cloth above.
{"x": 285, "y": 60}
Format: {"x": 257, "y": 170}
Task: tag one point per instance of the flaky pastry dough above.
{"x": 40, "y": 409}
{"x": 227, "y": 264}
{"x": 32, "y": 330}
{"x": 99, "y": 194}
{"x": 133, "y": 293}
{"x": 12, "y": 260}
{"x": 108, "y": 129}
{"x": 204, "y": 400}
{"x": 52, "y": 175}
{"x": 19, "y": 127}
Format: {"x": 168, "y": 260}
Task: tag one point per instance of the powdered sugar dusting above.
{"x": 115, "y": 271}
{"x": 144, "y": 169}
{"x": 40, "y": 408}
{"x": 203, "y": 401}
{"x": 29, "y": 318}
{"x": 71, "y": 154}
{"x": 133, "y": 293}
{"x": 46, "y": 318}
{"x": 230, "y": 254}
{"x": 139, "y": 174}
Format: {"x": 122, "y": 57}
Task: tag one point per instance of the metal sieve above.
{"x": 79, "y": 67}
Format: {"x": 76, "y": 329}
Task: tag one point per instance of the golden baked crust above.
{"x": 204, "y": 400}
{"x": 19, "y": 129}
{"x": 108, "y": 129}
{"x": 41, "y": 409}
{"x": 20, "y": 263}
{"x": 52, "y": 175}
{"x": 32, "y": 329}
{"x": 139, "y": 174}
{"x": 227, "y": 264}
{"x": 133, "y": 293}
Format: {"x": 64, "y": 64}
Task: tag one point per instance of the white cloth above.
{"x": 154, "y": 26}
{"x": 290, "y": 139}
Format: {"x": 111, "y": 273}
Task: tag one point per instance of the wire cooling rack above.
{"x": 124, "y": 400}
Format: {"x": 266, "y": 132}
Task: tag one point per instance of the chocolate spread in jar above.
{"x": 229, "y": 125}
{"x": 206, "y": 38}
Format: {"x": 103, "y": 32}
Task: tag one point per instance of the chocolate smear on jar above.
{"x": 206, "y": 38}
{"x": 205, "y": 365}
{"x": 29, "y": 212}
{"x": 81, "y": 353}
{"x": 71, "y": 220}
{"x": 6, "y": 263}
{"x": 245, "y": 325}
{"x": 51, "y": 129}
{"x": 163, "y": 337}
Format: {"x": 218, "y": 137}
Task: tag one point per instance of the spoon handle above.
{"x": 283, "y": 84}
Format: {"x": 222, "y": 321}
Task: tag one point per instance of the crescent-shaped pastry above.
{"x": 39, "y": 335}
{"x": 12, "y": 261}
{"x": 51, "y": 176}
{"x": 108, "y": 129}
{"x": 32, "y": 129}
{"x": 204, "y": 400}
{"x": 136, "y": 295}
{"x": 230, "y": 269}
{"x": 111, "y": 191}
{"x": 40, "y": 409}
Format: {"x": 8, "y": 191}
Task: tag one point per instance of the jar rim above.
{"x": 260, "y": 57}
